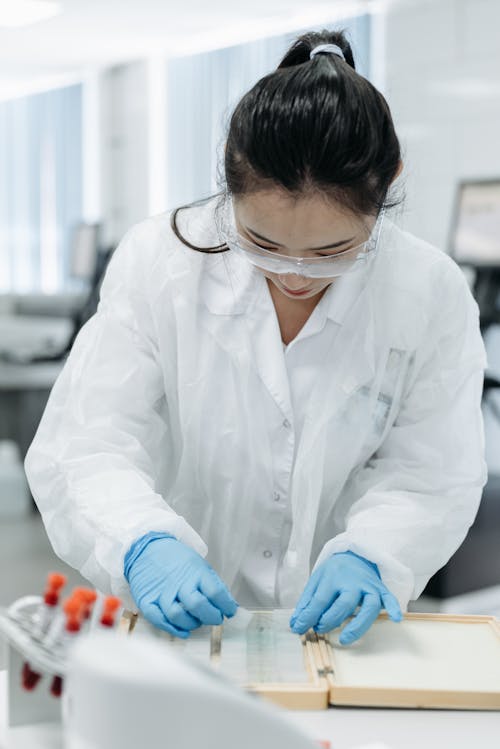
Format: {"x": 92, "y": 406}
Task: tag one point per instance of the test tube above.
{"x": 110, "y": 606}
{"x": 74, "y": 611}
{"x": 48, "y": 607}
{"x": 46, "y": 614}
{"x": 29, "y": 678}
{"x": 56, "y": 686}
{"x": 88, "y": 596}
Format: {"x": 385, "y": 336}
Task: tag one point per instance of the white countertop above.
{"x": 346, "y": 728}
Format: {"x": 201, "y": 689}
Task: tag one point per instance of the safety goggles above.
{"x": 331, "y": 266}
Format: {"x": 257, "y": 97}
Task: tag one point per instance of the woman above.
{"x": 276, "y": 379}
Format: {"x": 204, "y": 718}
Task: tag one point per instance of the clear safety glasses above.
{"x": 330, "y": 266}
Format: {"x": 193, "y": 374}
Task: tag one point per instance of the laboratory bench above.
{"x": 345, "y": 728}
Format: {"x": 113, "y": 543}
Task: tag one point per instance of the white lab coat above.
{"x": 163, "y": 416}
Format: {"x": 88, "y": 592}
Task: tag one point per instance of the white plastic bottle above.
{"x": 15, "y": 500}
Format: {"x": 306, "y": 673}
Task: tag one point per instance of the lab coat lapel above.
{"x": 238, "y": 310}
{"x": 243, "y": 321}
{"x": 268, "y": 351}
{"x": 349, "y": 363}
{"x": 339, "y": 376}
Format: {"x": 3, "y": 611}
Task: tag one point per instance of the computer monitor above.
{"x": 84, "y": 250}
{"x": 475, "y": 235}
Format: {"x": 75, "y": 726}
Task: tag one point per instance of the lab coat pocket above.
{"x": 382, "y": 399}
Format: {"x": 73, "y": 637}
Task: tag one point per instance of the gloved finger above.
{"x": 391, "y": 605}
{"x": 306, "y": 596}
{"x": 345, "y": 605}
{"x": 153, "y": 614}
{"x": 368, "y": 612}
{"x": 321, "y": 600}
{"x": 178, "y": 616}
{"x": 199, "y": 606}
{"x": 217, "y": 593}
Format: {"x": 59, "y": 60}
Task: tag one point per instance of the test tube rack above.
{"x": 16, "y": 628}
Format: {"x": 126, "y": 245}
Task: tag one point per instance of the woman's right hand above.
{"x": 174, "y": 588}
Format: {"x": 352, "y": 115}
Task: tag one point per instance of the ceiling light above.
{"x": 16, "y": 13}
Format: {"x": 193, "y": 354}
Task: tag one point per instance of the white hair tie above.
{"x": 333, "y": 49}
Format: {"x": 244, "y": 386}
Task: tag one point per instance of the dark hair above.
{"x": 312, "y": 126}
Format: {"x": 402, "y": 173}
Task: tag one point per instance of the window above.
{"x": 40, "y": 188}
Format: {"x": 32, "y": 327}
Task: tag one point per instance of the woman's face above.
{"x": 305, "y": 227}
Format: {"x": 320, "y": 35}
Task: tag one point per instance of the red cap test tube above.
{"x": 74, "y": 609}
{"x": 55, "y": 581}
{"x": 56, "y": 686}
{"x": 110, "y": 606}
{"x": 29, "y": 678}
{"x": 88, "y": 597}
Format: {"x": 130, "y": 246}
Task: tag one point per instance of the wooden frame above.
{"x": 429, "y": 698}
{"x": 325, "y": 687}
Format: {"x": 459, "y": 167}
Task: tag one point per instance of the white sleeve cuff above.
{"x": 110, "y": 552}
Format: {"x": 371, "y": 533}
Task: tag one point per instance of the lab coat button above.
{"x": 286, "y": 424}
{"x": 276, "y": 496}
{"x": 267, "y": 553}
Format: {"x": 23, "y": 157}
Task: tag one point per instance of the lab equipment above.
{"x": 27, "y": 338}
{"x": 475, "y": 231}
{"x": 77, "y": 610}
{"x": 88, "y": 598}
{"x": 45, "y": 616}
{"x": 40, "y": 327}
{"x": 123, "y": 693}
{"x": 110, "y": 608}
{"x": 15, "y": 499}
{"x": 336, "y": 588}
{"x": 67, "y": 621}
{"x": 38, "y": 643}
{"x": 48, "y": 607}
{"x": 475, "y": 245}
{"x": 43, "y": 619}
{"x": 84, "y": 250}
{"x": 174, "y": 587}
{"x": 427, "y": 660}
{"x": 56, "y": 686}
{"x": 29, "y": 678}
{"x": 181, "y": 374}
{"x": 327, "y": 266}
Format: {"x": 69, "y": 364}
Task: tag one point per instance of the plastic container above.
{"x": 15, "y": 498}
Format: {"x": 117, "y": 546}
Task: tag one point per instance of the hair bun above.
{"x": 301, "y": 49}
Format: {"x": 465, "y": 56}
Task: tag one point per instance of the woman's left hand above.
{"x": 335, "y": 590}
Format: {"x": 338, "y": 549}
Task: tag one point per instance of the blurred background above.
{"x": 113, "y": 111}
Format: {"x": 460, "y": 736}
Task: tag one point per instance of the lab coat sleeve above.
{"x": 91, "y": 466}
{"x": 411, "y": 505}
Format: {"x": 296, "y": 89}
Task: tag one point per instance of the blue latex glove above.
{"x": 174, "y": 587}
{"x": 335, "y": 590}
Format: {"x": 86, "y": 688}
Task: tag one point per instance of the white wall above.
{"x": 442, "y": 82}
{"x": 443, "y": 86}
